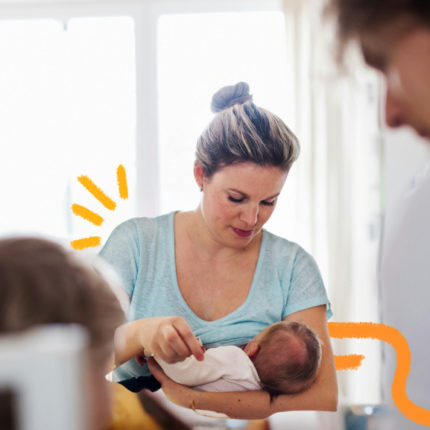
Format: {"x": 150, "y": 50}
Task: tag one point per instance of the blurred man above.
{"x": 394, "y": 37}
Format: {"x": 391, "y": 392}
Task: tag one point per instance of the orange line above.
{"x": 97, "y": 192}
{"x": 348, "y": 362}
{"x": 122, "y": 182}
{"x": 85, "y": 213}
{"x": 403, "y": 356}
{"x": 87, "y": 242}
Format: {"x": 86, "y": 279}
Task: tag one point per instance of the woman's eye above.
{"x": 232, "y": 199}
{"x": 268, "y": 203}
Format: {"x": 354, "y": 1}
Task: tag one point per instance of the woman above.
{"x": 214, "y": 272}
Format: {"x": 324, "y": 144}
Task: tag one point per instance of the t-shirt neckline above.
{"x": 171, "y": 238}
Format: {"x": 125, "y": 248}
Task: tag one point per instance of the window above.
{"x": 197, "y": 55}
{"x": 68, "y": 108}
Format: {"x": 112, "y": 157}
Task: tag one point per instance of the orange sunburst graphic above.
{"x": 105, "y": 200}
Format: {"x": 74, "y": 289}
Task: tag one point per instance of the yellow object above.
{"x": 128, "y": 413}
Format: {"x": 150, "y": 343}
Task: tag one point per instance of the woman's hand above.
{"x": 176, "y": 393}
{"x": 169, "y": 338}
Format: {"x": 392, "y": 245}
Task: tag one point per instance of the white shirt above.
{"x": 225, "y": 368}
{"x": 405, "y": 293}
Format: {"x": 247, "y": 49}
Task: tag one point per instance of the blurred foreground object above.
{"x": 43, "y": 370}
{"x": 128, "y": 413}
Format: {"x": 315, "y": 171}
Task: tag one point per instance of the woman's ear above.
{"x": 199, "y": 174}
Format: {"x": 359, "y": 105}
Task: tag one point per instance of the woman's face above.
{"x": 238, "y": 200}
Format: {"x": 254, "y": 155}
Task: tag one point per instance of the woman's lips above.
{"x": 242, "y": 233}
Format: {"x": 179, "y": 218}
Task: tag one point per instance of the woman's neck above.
{"x": 193, "y": 226}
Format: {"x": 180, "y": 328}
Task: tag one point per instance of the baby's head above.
{"x": 287, "y": 357}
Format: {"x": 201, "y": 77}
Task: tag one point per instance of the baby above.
{"x": 284, "y": 358}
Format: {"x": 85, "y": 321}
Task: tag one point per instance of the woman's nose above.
{"x": 249, "y": 215}
{"x": 394, "y": 110}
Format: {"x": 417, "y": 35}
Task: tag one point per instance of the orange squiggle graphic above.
{"x": 122, "y": 182}
{"x": 403, "y": 355}
{"x": 348, "y": 362}
{"x": 87, "y": 242}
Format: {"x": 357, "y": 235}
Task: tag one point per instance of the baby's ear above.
{"x": 252, "y": 350}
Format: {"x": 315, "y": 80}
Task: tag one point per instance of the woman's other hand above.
{"x": 176, "y": 393}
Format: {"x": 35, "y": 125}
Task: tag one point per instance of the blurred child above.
{"x": 42, "y": 283}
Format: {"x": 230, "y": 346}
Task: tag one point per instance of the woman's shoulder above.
{"x": 281, "y": 250}
{"x": 280, "y": 245}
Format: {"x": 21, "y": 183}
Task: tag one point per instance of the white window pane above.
{"x": 68, "y": 108}
{"x": 198, "y": 54}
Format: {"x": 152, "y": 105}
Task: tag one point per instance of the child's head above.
{"x": 287, "y": 357}
{"x": 42, "y": 283}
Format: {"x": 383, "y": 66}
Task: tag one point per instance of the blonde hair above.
{"x": 243, "y": 132}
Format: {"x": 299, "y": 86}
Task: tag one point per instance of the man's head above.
{"x": 287, "y": 357}
{"x": 394, "y": 36}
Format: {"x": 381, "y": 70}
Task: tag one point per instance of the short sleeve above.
{"x": 306, "y": 287}
{"x": 121, "y": 251}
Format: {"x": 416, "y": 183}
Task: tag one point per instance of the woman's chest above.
{"x": 213, "y": 290}
{"x": 197, "y": 292}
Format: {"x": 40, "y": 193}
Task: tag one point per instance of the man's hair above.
{"x": 289, "y": 358}
{"x": 357, "y": 19}
{"x": 42, "y": 283}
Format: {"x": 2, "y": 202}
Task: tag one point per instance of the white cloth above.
{"x": 405, "y": 294}
{"x": 225, "y": 368}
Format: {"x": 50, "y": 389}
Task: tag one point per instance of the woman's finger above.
{"x": 171, "y": 347}
{"x": 169, "y": 355}
{"x": 188, "y": 338}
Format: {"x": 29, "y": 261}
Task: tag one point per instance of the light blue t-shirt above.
{"x": 141, "y": 250}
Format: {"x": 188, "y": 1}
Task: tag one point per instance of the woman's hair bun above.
{"x": 229, "y": 96}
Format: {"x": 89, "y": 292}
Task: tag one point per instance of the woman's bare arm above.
{"x": 322, "y": 395}
{"x": 170, "y": 338}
